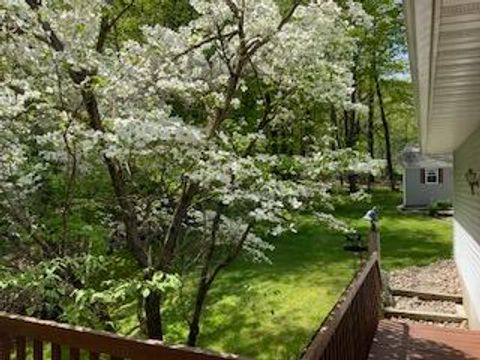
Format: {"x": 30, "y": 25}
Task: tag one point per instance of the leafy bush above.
{"x": 438, "y": 206}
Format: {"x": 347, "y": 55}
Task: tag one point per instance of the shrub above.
{"x": 438, "y": 206}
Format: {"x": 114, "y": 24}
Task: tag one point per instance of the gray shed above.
{"x": 426, "y": 178}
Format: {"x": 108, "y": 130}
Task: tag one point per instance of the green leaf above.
{"x": 80, "y": 28}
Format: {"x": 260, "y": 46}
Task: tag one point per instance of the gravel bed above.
{"x": 416, "y": 304}
{"x": 462, "y": 325}
{"x": 440, "y": 276}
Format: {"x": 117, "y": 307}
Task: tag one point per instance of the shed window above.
{"x": 431, "y": 176}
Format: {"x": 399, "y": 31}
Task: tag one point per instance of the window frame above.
{"x": 437, "y": 176}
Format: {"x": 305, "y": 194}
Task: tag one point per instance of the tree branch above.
{"x": 175, "y": 228}
{"x": 203, "y": 42}
{"x": 256, "y": 45}
{"x": 245, "y": 53}
{"x": 106, "y": 25}
{"x": 232, "y": 256}
{"x": 115, "y": 169}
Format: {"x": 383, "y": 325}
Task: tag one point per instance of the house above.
{"x": 426, "y": 178}
{"x": 444, "y": 47}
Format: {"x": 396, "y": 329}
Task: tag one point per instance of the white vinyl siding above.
{"x": 467, "y": 225}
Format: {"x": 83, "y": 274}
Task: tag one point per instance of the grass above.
{"x": 270, "y": 311}
{"x": 406, "y": 239}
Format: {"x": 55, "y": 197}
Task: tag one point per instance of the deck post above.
{"x": 374, "y": 242}
{"x": 5, "y": 347}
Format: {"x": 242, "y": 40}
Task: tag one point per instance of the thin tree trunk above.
{"x": 194, "y": 326}
{"x": 153, "y": 315}
{"x": 386, "y": 130}
{"x": 370, "y": 133}
{"x": 350, "y": 143}
{"x": 333, "y": 119}
{"x": 175, "y": 229}
{"x": 207, "y": 280}
{"x": 352, "y": 185}
{"x": 204, "y": 282}
{"x": 351, "y": 134}
{"x": 153, "y": 302}
{"x": 338, "y": 135}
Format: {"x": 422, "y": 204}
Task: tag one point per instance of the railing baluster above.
{"x": 22, "y": 337}
{"x": 20, "y": 344}
{"x": 37, "y": 350}
{"x": 5, "y": 347}
{"x": 74, "y": 354}
{"x": 56, "y": 352}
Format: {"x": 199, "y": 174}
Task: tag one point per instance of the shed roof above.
{"x": 412, "y": 157}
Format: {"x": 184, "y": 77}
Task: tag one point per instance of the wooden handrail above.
{"x": 14, "y": 329}
{"x": 348, "y": 330}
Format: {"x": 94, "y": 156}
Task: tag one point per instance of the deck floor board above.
{"x": 399, "y": 341}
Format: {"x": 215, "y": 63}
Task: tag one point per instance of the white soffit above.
{"x": 444, "y": 46}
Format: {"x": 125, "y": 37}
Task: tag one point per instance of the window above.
{"x": 431, "y": 176}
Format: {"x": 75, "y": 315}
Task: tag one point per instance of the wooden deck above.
{"x": 398, "y": 341}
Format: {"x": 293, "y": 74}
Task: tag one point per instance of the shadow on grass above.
{"x": 255, "y": 331}
{"x": 270, "y": 311}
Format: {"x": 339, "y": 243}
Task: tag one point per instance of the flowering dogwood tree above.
{"x": 194, "y": 184}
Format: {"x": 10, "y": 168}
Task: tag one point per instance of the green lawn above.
{"x": 271, "y": 311}
{"x": 406, "y": 240}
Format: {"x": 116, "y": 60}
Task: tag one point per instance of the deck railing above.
{"x": 347, "y": 333}
{"x": 20, "y": 336}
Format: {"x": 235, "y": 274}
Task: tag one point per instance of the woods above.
{"x": 147, "y": 146}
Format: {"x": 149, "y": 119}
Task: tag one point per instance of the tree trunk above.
{"x": 351, "y": 133}
{"x": 153, "y": 315}
{"x": 338, "y": 136}
{"x": 350, "y": 141}
{"x": 206, "y": 279}
{"x": 370, "y": 133}
{"x": 204, "y": 282}
{"x": 333, "y": 119}
{"x": 352, "y": 183}
{"x": 175, "y": 229}
{"x": 117, "y": 175}
{"x": 194, "y": 326}
{"x": 386, "y": 130}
